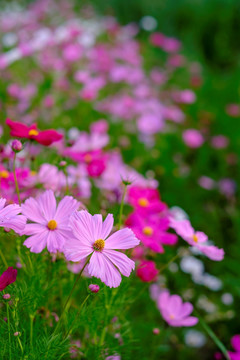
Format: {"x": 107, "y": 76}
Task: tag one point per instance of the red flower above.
{"x": 147, "y": 271}
{"x": 45, "y": 137}
{"x": 8, "y": 277}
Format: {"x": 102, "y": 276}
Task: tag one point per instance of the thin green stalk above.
{"x": 15, "y": 178}
{"x": 76, "y": 317}
{"x": 67, "y": 182}
{"x": 169, "y": 262}
{"x": 213, "y": 336}
{"x": 31, "y": 329}
{"x": 121, "y": 206}
{"x": 70, "y": 295}
{"x": 108, "y": 309}
{"x": 3, "y": 259}
{"x": 9, "y": 333}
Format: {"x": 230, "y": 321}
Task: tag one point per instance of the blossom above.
{"x": 174, "y": 311}
{"x": 8, "y": 277}
{"x": 10, "y": 218}
{"x": 92, "y": 238}
{"x": 94, "y": 288}
{"x": 147, "y": 271}
{"x": 50, "y": 222}
{"x": 145, "y": 199}
{"x": 235, "y": 341}
{"x": 151, "y": 230}
{"x": 45, "y": 137}
{"x": 197, "y": 239}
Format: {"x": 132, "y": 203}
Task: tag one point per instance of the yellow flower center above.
{"x": 99, "y": 245}
{"x": 52, "y": 224}
{"x": 88, "y": 158}
{"x": 4, "y": 174}
{"x": 33, "y": 132}
{"x": 172, "y": 316}
{"x": 195, "y": 238}
{"x": 33, "y": 173}
{"x": 147, "y": 230}
{"x": 143, "y": 202}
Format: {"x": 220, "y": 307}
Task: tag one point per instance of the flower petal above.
{"x": 121, "y": 261}
{"x": 75, "y": 251}
{"x": 122, "y": 239}
{"x": 32, "y": 211}
{"x": 102, "y": 268}
{"x": 37, "y": 243}
{"x": 107, "y": 226}
{"x": 47, "y": 204}
{"x": 65, "y": 209}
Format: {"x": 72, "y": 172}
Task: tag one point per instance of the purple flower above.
{"x": 174, "y": 311}
{"x": 10, "y": 218}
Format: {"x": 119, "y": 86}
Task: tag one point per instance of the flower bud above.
{"x": 16, "y": 145}
{"x": 6, "y": 296}
{"x": 94, "y": 288}
{"x": 17, "y": 333}
{"x": 156, "y": 331}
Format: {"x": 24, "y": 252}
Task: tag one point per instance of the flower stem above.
{"x": 15, "y": 179}
{"x": 121, "y": 206}
{"x": 170, "y": 261}
{"x": 9, "y": 333}
{"x": 76, "y": 317}
{"x": 70, "y": 295}
{"x": 3, "y": 259}
{"x": 31, "y": 329}
{"x": 212, "y": 335}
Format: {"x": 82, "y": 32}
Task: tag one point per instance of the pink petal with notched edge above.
{"x": 122, "y": 239}
{"x": 107, "y": 226}
{"x": 47, "y": 204}
{"x": 32, "y": 211}
{"x": 212, "y": 252}
{"x": 74, "y": 250}
{"x": 102, "y": 268}
{"x": 66, "y": 206}
{"x": 121, "y": 261}
{"x": 80, "y": 224}
{"x": 36, "y": 243}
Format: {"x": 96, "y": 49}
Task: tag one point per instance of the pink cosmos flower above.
{"x": 145, "y": 199}
{"x": 50, "y": 223}
{"x": 92, "y": 239}
{"x": 197, "y": 239}
{"x": 8, "y": 277}
{"x": 174, "y": 311}
{"x": 151, "y": 230}
{"x": 10, "y": 218}
{"x": 147, "y": 271}
{"x": 46, "y": 137}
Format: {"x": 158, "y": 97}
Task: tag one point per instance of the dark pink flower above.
{"x": 147, "y": 271}
{"x": 8, "y": 277}
{"x": 45, "y": 137}
{"x": 145, "y": 199}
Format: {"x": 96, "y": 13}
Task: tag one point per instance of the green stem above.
{"x": 212, "y": 335}
{"x": 70, "y": 295}
{"x": 9, "y": 333}
{"x": 67, "y": 182}
{"x": 105, "y": 327}
{"x": 31, "y": 329}
{"x": 169, "y": 262}
{"x": 121, "y": 206}
{"x": 15, "y": 178}
{"x": 76, "y": 317}
{"x": 3, "y": 259}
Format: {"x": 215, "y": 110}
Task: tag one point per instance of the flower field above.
{"x": 119, "y": 172}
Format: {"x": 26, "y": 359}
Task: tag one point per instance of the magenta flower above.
{"x": 8, "y": 277}
{"x": 197, "y": 239}
{"x": 91, "y": 234}
{"x": 50, "y": 223}
{"x": 10, "y": 218}
{"x": 235, "y": 341}
{"x": 145, "y": 199}
{"x": 193, "y": 138}
{"x": 151, "y": 230}
{"x": 174, "y": 311}
{"x": 147, "y": 271}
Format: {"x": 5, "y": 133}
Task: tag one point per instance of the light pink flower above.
{"x": 92, "y": 239}
{"x": 50, "y": 223}
{"x": 197, "y": 239}
{"x": 10, "y": 218}
{"x": 193, "y": 138}
{"x": 174, "y": 311}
